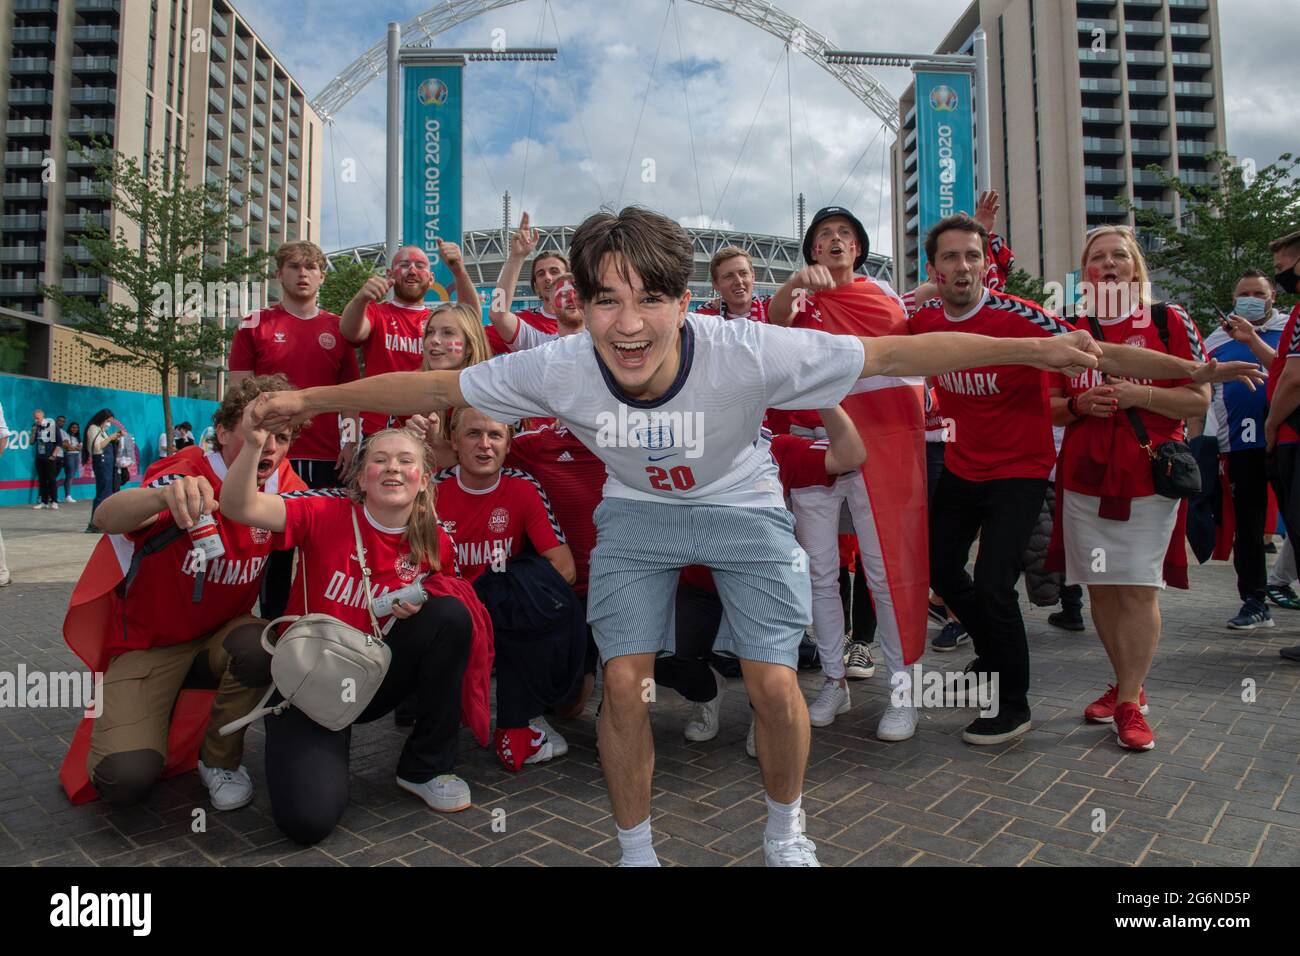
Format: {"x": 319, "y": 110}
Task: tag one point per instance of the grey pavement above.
{"x": 1221, "y": 787}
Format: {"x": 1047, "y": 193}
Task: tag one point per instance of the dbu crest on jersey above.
{"x": 406, "y": 568}
{"x": 260, "y": 535}
{"x": 499, "y": 520}
{"x": 326, "y": 340}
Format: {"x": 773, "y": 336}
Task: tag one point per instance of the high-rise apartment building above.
{"x": 145, "y": 75}
{"x": 1084, "y": 95}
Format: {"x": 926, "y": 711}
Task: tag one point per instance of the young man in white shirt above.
{"x": 673, "y": 405}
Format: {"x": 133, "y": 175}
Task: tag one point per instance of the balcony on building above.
{"x": 911, "y": 224}
{"x": 236, "y": 222}
{"x": 278, "y": 86}
{"x": 241, "y": 46}
{"x": 1198, "y": 177}
{"x": 1100, "y": 175}
{"x": 260, "y": 69}
{"x": 241, "y": 74}
{"x": 1158, "y": 118}
{"x": 295, "y": 108}
{"x": 29, "y": 66}
{"x": 216, "y": 155}
{"x": 293, "y": 172}
{"x": 1191, "y": 6}
{"x": 277, "y": 158}
{"x": 219, "y": 50}
{"x": 295, "y": 130}
{"x": 274, "y": 225}
{"x": 239, "y": 98}
{"x": 259, "y": 93}
{"x": 277, "y": 111}
{"x": 1105, "y": 117}
{"x": 220, "y": 27}
{"x": 216, "y": 102}
{"x": 294, "y": 151}
{"x": 25, "y": 158}
{"x": 93, "y": 96}
{"x": 236, "y": 172}
{"x": 216, "y": 129}
{"x": 237, "y": 147}
{"x": 1195, "y": 118}
{"x": 291, "y": 214}
{"x": 21, "y": 255}
{"x": 1195, "y": 147}
{"x": 1142, "y": 34}
{"x": 256, "y": 188}
{"x": 99, "y": 6}
{"x": 81, "y": 221}
{"x": 1148, "y": 147}
{"x": 1089, "y": 55}
{"x": 1193, "y": 64}
{"x": 1140, "y": 8}
{"x": 78, "y": 254}
{"x": 1088, "y": 26}
{"x": 35, "y": 96}
{"x": 19, "y": 286}
{"x": 1152, "y": 88}
{"x": 236, "y": 196}
{"x": 1097, "y": 206}
{"x": 1147, "y": 177}
{"x": 259, "y": 116}
{"x": 87, "y": 126}
{"x": 85, "y": 285}
{"x": 910, "y": 140}
{"x": 217, "y": 74}
{"x": 22, "y": 222}
{"x": 24, "y": 36}
{"x": 92, "y": 35}
{"x": 1105, "y": 145}
{"x": 1187, "y": 90}
{"x": 910, "y": 206}
{"x": 275, "y": 202}
{"x": 36, "y": 6}
{"x": 1159, "y": 205}
{"x": 259, "y": 142}
{"x": 27, "y": 127}
{"x": 277, "y": 134}
{"x": 86, "y": 189}
{"x": 277, "y": 180}
{"x": 26, "y": 190}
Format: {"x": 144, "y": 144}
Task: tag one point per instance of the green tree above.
{"x": 341, "y": 283}
{"x": 171, "y": 285}
{"x": 1025, "y": 286}
{"x": 1226, "y": 227}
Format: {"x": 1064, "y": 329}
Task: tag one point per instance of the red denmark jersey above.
{"x": 1287, "y": 347}
{"x": 537, "y": 319}
{"x": 309, "y": 352}
{"x": 800, "y": 463}
{"x": 159, "y": 607}
{"x": 757, "y": 309}
{"x": 1101, "y": 456}
{"x": 1001, "y": 415}
{"x": 574, "y": 481}
{"x": 495, "y": 521}
{"x": 396, "y": 344}
{"x": 319, "y": 524}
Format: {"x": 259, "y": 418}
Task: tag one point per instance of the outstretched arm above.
{"x": 1134, "y": 361}
{"x": 397, "y": 393}
{"x": 937, "y": 352}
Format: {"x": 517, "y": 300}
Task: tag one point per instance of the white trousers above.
{"x": 816, "y": 526}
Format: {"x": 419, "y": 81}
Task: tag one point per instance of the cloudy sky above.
{"x": 568, "y": 136}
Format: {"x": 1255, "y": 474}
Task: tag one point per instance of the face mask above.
{"x": 1251, "y": 309}
{"x": 1287, "y": 280}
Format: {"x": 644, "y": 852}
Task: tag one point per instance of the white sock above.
{"x": 636, "y": 845}
{"x": 784, "y": 820}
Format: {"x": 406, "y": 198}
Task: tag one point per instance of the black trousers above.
{"x": 1002, "y": 513}
{"x": 699, "y": 615}
{"x": 47, "y": 479}
{"x": 307, "y": 765}
{"x": 859, "y": 612}
{"x": 1248, "y": 479}
{"x": 1281, "y": 470}
{"x": 279, "y": 564}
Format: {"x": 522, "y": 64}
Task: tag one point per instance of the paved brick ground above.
{"x": 1221, "y": 788}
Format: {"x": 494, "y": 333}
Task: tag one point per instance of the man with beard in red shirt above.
{"x": 391, "y": 331}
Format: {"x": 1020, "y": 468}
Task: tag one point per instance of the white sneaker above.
{"x": 54, "y": 506}
{"x": 229, "y": 789}
{"x": 553, "y": 746}
{"x": 830, "y": 703}
{"x": 751, "y": 748}
{"x": 5, "y": 579}
{"x": 796, "y": 851}
{"x": 39, "y": 506}
{"x": 446, "y": 794}
{"x": 703, "y": 724}
{"x": 896, "y": 723}
{"x": 69, "y": 500}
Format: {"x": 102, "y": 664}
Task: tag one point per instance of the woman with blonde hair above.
{"x": 434, "y": 638}
{"x": 453, "y": 339}
{"x": 1119, "y": 537}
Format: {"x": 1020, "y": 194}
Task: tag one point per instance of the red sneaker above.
{"x": 1131, "y": 728}
{"x": 517, "y": 746}
{"x": 1102, "y": 710}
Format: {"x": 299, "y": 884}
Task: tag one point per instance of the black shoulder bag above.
{"x": 1173, "y": 466}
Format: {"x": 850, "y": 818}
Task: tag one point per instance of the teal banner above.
{"x": 431, "y": 165}
{"x": 140, "y": 413}
{"x": 945, "y": 158}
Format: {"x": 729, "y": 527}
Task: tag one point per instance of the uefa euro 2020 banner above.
{"x": 431, "y": 165}
{"x": 945, "y": 159}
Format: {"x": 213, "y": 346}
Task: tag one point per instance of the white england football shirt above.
{"x": 699, "y": 442}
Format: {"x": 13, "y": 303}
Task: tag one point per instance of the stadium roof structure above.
{"x": 775, "y": 258}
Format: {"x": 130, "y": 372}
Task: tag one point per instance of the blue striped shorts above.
{"x": 760, "y": 571}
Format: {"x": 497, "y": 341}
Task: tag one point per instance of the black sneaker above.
{"x": 972, "y": 666}
{"x": 1283, "y": 596}
{"x": 809, "y": 656}
{"x": 1290, "y": 653}
{"x": 938, "y": 613}
{"x": 952, "y": 635}
{"x": 988, "y": 731}
{"x": 1067, "y": 620}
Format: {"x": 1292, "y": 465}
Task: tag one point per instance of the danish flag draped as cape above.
{"x": 888, "y": 412}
